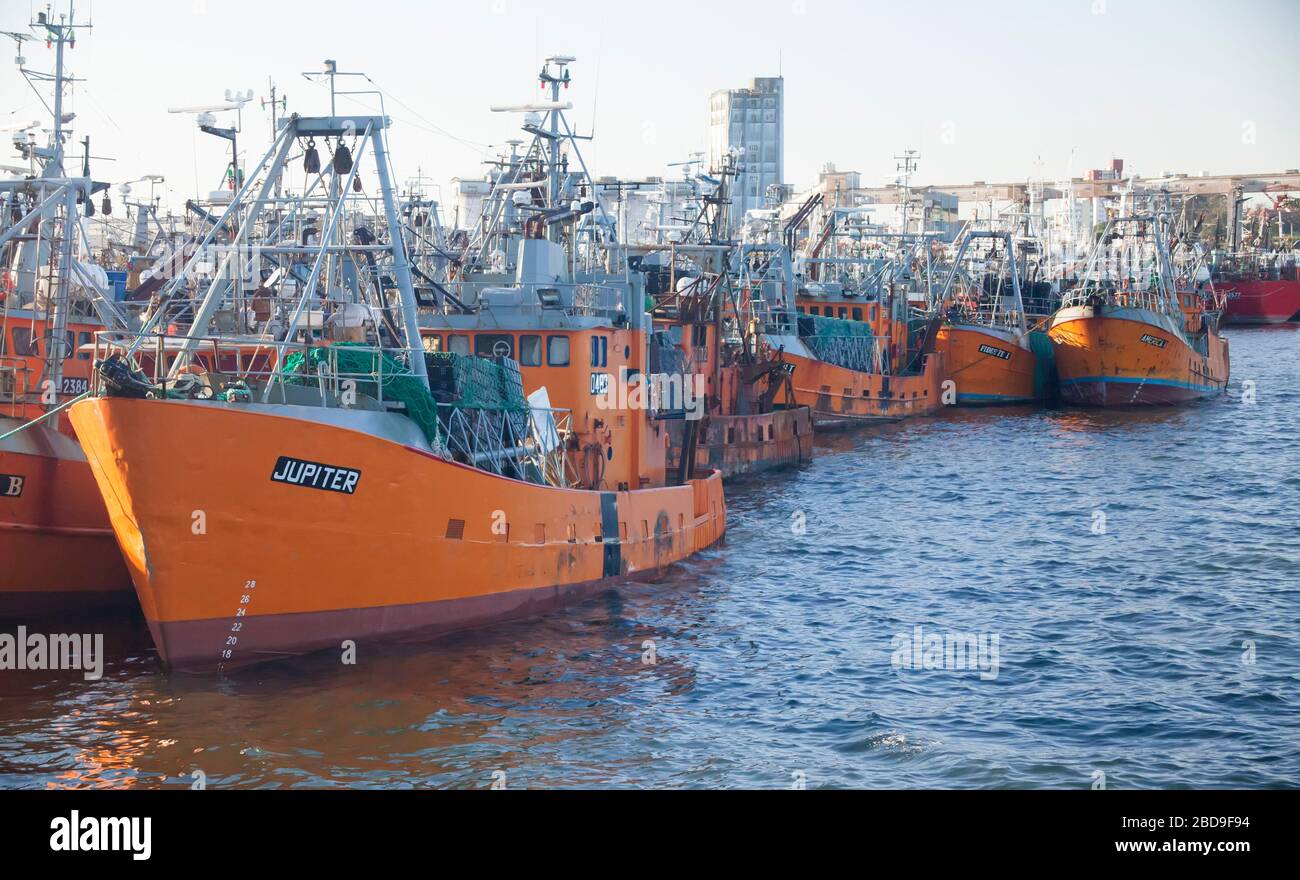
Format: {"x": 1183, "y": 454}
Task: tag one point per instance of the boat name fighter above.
{"x": 315, "y": 475}
{"x": 995, "y": 352}
{"x": 1153, "y": 340}
{"x": 11, "y": 485}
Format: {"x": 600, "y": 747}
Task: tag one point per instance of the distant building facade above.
{"x": 752, "y": 119}
{"x": 879, "y": 206}
{"x": 468, "y": 197}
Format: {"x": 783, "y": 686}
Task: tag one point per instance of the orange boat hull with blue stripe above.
{"x": 1110, "y": 356}
{"x": 987, "y": 365}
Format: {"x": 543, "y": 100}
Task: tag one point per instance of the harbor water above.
{"x": 1127, "y": 582}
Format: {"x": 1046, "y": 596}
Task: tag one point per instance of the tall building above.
{"x": 752, "y": 119}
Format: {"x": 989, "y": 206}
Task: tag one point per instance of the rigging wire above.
{"x": 428, "y": 125}
{"x": 99, "y": 108}
{"x": 433, "y": 126}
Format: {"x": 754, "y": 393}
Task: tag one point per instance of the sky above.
{"x": 998, "y": 90}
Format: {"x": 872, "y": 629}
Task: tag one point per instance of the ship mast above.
{"x": 554, "y": 181}
{"x": 268, "y": 230}
{"x": 61, "y": 35}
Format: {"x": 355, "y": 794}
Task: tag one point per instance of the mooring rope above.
{"x": 58, "y": 409}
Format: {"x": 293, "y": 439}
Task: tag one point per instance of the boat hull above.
{"x": 736, "y": 445}
{"x": 57, "y": 547}
{"x": 1128, "y": 357}
{"x": 235, "y": 563}
{"x": 989, "y": 367}
{"x": 841, "y": 398}
{"x": 1252, "y": 302}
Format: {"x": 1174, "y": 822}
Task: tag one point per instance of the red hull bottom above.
{"x": 193, "y": 645}
{"x": 48, "y": 570}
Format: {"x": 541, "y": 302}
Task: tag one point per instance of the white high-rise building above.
{"x": 752, "y": 119}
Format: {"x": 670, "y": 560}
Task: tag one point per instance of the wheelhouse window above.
{"x": 458, "y": 343}
{"x": 24, "y": 345}
{"x": 600, "y": 351}
{"x": 557, "y": 351}
{"x": 432, "y": 343}
{"x": 530, "y": 351}
{"x": 494, "y": 345}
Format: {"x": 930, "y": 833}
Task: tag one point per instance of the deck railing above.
{"x": 1152, "y": 300}
{"x": 530, "y": 444}
{"x": 15, "y": 382}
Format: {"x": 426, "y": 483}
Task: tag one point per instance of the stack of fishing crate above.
{"x": 849, "y": 344}
{"x": 482, "y": 409}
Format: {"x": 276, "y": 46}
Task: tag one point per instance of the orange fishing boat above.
{"x": 857, "y": 334}
{"x": 735, "y": 406}
{"x": 400, "y": 487}
{"x": 842, "y": 397}
{"x": 55, "y": 535}
{"x": 987, "y": 365}
{"x": 1143, "y": 330}
{"x": 985, "y": 335}
{"x": 58, "y": 547}
{"x": 749, "y": 419}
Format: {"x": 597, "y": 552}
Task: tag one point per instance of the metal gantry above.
{"x": 321, "y": 245}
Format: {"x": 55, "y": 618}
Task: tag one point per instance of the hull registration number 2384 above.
{"x": 314, "y": 475}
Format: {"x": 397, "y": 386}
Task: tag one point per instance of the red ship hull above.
{"x": 1257, "y": 301}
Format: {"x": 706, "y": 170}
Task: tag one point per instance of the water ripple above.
{"x": 1138, "y": 571}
